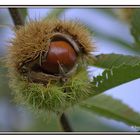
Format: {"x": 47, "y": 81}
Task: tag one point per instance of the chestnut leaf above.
{"x": 119, "y": 69}
{"x": 108, "y": 61}
{"x": 135, "y": 28}
{"x": 111, "y": 108}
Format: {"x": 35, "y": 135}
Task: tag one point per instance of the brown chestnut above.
{"x": 61, "y": 58}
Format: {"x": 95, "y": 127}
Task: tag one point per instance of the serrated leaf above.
{"x": 116, "y": 76}
{"x": 135, "y": 26}
{"x": 108, "y": 107}
{"x": 119, "y": 69}
{"x": 114, "y": 60}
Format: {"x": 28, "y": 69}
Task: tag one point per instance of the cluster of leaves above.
{"x": 118, "y": 69}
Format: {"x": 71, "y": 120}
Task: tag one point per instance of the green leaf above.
{"x": 55, "y": 13}
{"x": 119, "y": 69}
{"x": 135, "y": 26}
{"x": 108, "y": 107}
{"x": 116, "y": 76}
{"x": 114, "y": 60}
{"x": 85, "y": 120}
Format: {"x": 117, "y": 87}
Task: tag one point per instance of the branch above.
{"x": 16, "y": 16}
{"x": 65, "y": 124}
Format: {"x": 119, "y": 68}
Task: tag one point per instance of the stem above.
{"x": 65, "y": 124}
{"x": 16, "y": 16}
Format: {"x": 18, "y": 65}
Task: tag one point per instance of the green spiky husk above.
{"x": 54, "y": 97}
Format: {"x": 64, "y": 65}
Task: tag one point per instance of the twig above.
{"x": 65, "y": 124}
{"x": 16, "y": 16}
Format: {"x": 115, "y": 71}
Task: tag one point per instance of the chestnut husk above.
{"x": 45, "y": 91}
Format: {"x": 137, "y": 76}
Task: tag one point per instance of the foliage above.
{"x": 119, "y": 69}
{"x": 108, "y": 107}
{"x": 135, "y": 28}
{"x": 109, "y": 61}
{"x": 116, "y": 76}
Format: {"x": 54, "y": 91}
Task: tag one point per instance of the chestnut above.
{"x": 61, "y": 58}
{"x": 47, "y": 64}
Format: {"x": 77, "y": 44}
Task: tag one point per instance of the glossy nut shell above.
{"x": 60, "y": 59}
